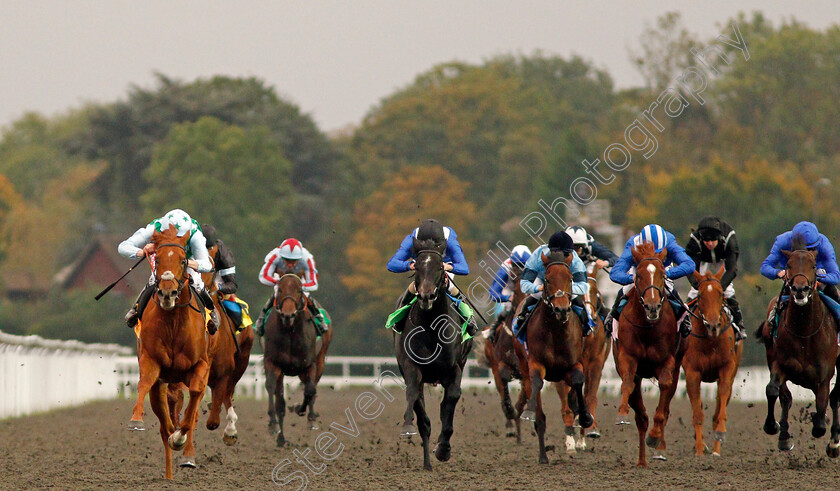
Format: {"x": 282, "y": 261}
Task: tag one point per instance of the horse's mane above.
{"x": 167, "y": 235}
{"x": 428, "y": 245}
{"x": 557, "y": 256}
{"x": 645, "y": 249}
{"x": 798, "y": 243}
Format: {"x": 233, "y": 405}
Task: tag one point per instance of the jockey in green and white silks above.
{"x": 138, "y": 245}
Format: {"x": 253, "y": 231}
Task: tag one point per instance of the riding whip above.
{"x": 467, "y": 298}
{"x": 112, "y": 285}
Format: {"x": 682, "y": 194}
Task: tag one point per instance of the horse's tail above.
{"x": 480, "y": 355}
{"x": 759, "y": 333}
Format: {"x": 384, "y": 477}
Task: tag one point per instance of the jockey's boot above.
{"x": 136, "y": 312}
{"x": 259, "y": 324}
{"x": 491, "y": 335}
{"x": 525, "y": 313}
{"x": 213, "y": 325}
{"x": 585, "y": 323}
{"x": 685, "y": 324}
{"x": 614, "y": 313}
{"x": 317, "y": 317}
{"x": 737, "y": 319}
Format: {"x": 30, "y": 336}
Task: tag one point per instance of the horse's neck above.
{"x": 803, "y": 317}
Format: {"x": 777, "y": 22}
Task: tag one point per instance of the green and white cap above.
{"x": 180, "y": 219}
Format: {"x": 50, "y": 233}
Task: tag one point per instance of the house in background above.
{"x": 22, "y": 285}
{"x": 99, "y": 265}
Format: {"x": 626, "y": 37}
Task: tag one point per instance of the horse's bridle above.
{"x": 789, "y": 280}
{"x": 438, "y": 284}
{"x": 659, "y": 290}
{"x": 546, "y": 298}
{"x": 182, "y": 281}
{"x": 300, "y": 304}
{"x": 702, "y": 317}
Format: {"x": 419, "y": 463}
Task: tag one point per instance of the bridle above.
{"x": 546, "y": 297}
{"x": 658, "y": 289}
{"x": 300, "y": 303}
{"x": 182, "y": 281}
{"x": 702, "y": 317}
{"x": 789, "y": 280}
{"x": 439, "y": 283}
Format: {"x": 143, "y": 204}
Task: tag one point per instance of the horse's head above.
{"x": 593, "y": 295}
{"x": 289, "y": 301}
{"x": 710, "y": 301}
{"x": 650, "y": 278}
{"x": 557, "y": 290}
{"x": 429, "y": 276}
{"x": 801, "y": 272}
{"x": 209, "y": 279}
{"x": 170, "y": 265}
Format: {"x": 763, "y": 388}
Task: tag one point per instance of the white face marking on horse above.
{"x": 170, "y": 253}
{"x": 709, "y": 287}
{"x": 652, "y": 270}
{"x": 167, "y": 275}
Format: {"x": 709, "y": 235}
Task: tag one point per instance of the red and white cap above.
{"x": 291, "y": 249}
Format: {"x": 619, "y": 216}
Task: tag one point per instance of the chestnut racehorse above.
{"x": 648, "y": 346}
{"x": 507, "y": 359}
{"x": 228, "y": 353}
{"x": 596, "y": 349}
{"x": 172, "y": 346}
{"x": 555, "y": 344}
{"x": 292, "y": 347}
{"x": 711, "y": 356}
{"x": 804, "y": 352}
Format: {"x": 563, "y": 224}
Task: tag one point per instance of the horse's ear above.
{"x": 720, "y": 272}
{"x": 637, "y": 256}
{"x": 697, "y": 276}
{"x": 568, "y": 259}
{"x": 545, "y": 259}
{"x": 786, "y": 253}
{"x": 816, "y": 253}
{"x": 662, "y": 255}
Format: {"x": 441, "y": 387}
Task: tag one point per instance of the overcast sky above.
{"x": 334, "y": 59}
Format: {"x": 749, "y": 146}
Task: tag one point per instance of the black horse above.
{"x": 430, "y": 351}
{"x": 292, "y": 347}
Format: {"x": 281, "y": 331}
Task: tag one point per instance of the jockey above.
{"x": 590, "y": 250}
{"x": 198, "y": 261}
{"x": 453, "y": 261}
{"x": 534, "y": 276}
{"x": 291, "y": 258}
{"x": 828, "y": 274}
{"x": 712, "y": 245}
{"x": 677, "y": 265}
{"x": 504, "y": 285}
{"x": 223, "y": 261}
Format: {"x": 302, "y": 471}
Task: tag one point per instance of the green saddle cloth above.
{"x": 465, "y": 311}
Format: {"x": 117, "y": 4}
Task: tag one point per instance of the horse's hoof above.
{"x": 427, "y": 466}
{"x": 657, "y": 455}
{"x": 622, "y": 419}
{"x": 177, "y": 441}
{"x": 509, "y": 424}
{"x": 136, "y": 426}
{"x": 570, "y": 445}
{"x": 593, "y": 433}
{"x": 212, "y": 426}
{"x": 715, "y": 454}
{"x": 771, "y": 429}
{"x": 313, "y": 426}
{"x": 281, "y": 440}
{"x": 833, "y": 449}
{"x": 443, "y": 452}
{"x": 273, "y": 428}
{"x": 543, "y": 459}
{"x": 528, "y": 415}
{"x": 586, "y": 420}
{"x": 641, "y": 465}
{"x": 706, "y": 450}
{"x": 786, "y": 445}
{"x": 652, "y": 442}
{"x": 230, "y": 440}
{"x": 408, "y": 430}
{"x": 720, "y": 436}
{"x": 510, "y": 434}
{"x": 818, "y": 431}
{"x": 187, "y": 462}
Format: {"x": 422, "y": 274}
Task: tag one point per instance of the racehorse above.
{"x": 555, "y": 345}
{"x": 596, "y": 349}
{"x": 292, "y": 347}
{"x": 228, "y": 353}
{"x": 712, "y": 356}
{"x": 430, "y": 350}
{"x": 507, "y": 360}
{"x": 172, "y": 346}
{"x": 648, "y": 345}
{"x": 804, "y": 351}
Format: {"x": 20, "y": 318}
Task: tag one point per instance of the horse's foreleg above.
{"x": 540, "y": 422}
{"x": 724, "y": 394}
{"x": 149, "y": 373}
{"x": 451, "y": 395}
{"x": 230, "y": 434}
{"x": 833, "y": 447}
{"x": 197, "y": 385}
{"x": 592, "y": 373}
{"x": 669, "y": 376}
{"x": 159, "y": 403}
{"x": 536, "y": 372}
{"x": 567, "y": 402}
{"x": 638, "y": 405}
{"x": 785, "y": 400}
{"x": 818, "y": 418}
{"x": 310, "y": 392}
{"x": 575, "y": 380}
{"x": 217, "y": 393}
{"x": 425, "y": 427}
{"x": 501, "y": 386}
{"x": 626, "y": 367}
{"x": 270, "y": 384}
{"x": 692, "y": 385}
{"x": 771, "y": 427}
{"x": 279, "y": 406}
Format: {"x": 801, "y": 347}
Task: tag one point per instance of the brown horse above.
{"x": 804, "y": 352}
{"x": 292, "y": 347}
{"x": 507, "y": 359}
{"x": 555, "y": 344}
{"x": 596, "y": 349}
{"x": 172, "y": 346}
{"x": 228, "y": 354}
{"x": 711, "y": 356}
{"x": 648, "y": 346}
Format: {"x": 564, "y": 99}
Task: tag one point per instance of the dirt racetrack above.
{"x": 89, "y": 448}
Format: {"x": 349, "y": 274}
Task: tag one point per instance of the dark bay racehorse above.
{"x": 430, "y": 351}
{"x": 293, "y": 347}
{"x": 172, "y": 346}
{"x": 507, "y": 359}
{"x": 648, "y": 346}
{"x": 596, "y": 349}
{"x": 555, "y": 345}
{"x": 228, "y": 353}
{"x": 804, "y": 352}
{"x": 712, "y": 356}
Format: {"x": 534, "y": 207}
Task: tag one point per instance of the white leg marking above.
{"x": 232, "y": 418}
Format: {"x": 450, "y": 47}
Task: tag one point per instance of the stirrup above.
{"x": 131, "y": 318}
{"x": 213, "y": 324}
